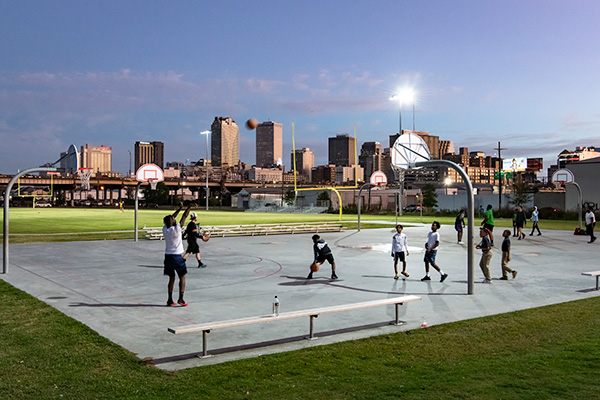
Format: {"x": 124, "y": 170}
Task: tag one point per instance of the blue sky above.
{"x": 110, "y": 73}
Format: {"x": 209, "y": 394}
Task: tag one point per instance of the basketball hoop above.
{"x": 84, "y": 175}
{"x": 153, "y": 182}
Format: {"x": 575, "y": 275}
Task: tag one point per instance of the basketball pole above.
{"x": 6, "y": 232}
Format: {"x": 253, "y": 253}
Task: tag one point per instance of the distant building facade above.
{"x": 225, "y": 142}
{"x": 371, "y": 158}
{"x": 305, "y": 161}
{"x": 149, "y": 152}
{"x": 323, "y": 174}
{"x": 342, "y": 150}
{"x": 269, "y": 144}
{"x": 97, "y": 158}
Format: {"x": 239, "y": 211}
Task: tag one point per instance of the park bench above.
{"x": 593, "y": 273}
{"x": 205, "y": 328}
{"x": 258, "y": 229}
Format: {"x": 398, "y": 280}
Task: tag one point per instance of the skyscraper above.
{"x": 370, "y": 158}
{"x": 305, "y": 161}
{"x": 269, "y": 144}
{"x": 97, "y": 158}
{"x": 224, "y": 142}
{"x": 342, "y": 150}
{"x": 149, "y": 152}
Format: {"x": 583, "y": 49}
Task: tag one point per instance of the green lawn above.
{"x": 546, "y": 353}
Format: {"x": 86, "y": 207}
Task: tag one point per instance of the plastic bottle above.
{"x": 276, "y": 306}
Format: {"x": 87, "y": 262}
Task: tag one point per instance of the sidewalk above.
{"x": 117, "y": 288}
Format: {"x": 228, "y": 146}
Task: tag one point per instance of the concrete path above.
{"x": 117, "y": 288}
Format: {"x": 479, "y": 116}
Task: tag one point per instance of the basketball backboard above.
{"x": 150, "y": 173}
{"x": 563, "y": 176}
{"x": 407, "y": 150}
{"x": 378, "y": 178}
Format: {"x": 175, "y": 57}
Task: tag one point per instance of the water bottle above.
{"x": 276, "y": 306}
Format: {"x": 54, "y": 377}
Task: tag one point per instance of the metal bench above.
{"x": 596, "y": 274}
{"x": 205, "y": 328}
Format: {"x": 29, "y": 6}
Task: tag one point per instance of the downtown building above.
{"x": 342, "y": 150}
{"x": 224, "y": 142}
{"x": 99, "y": 159}
{"x": 269, "y": 144}
{"x": 304, "y": 163}
{"x": 148, "y": 153}
{"x": 371, "y": 158}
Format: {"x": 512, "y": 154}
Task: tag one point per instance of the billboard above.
{"x": 516, "y": 164}
{"x": 535, "y": 164}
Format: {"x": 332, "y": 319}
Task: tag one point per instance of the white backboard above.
{"x": 407, "y": 150}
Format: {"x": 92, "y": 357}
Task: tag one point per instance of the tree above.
{"x": 159, "y": 196}
{"x": 289, "y": 197}
{"x": 520, "y": 194}
{"x": 429, "y": 196}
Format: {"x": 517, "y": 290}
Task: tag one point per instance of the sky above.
{"x": 525, "y": 73}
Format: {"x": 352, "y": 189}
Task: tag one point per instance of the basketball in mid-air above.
{"x": 314, "y": 267}
{"x": 251, "y": 124}
{"x": 205, "y": 237}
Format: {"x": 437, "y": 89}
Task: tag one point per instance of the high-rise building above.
{"x": 149, "y": 152}
{"x": 224, "y": 142}
{"x": 97, "y": 158}
{"x": 269, "y": 144}
{"x": 342, "y": 150}
{"x": 370, "y": 158}
{"x": 305, "y": 161}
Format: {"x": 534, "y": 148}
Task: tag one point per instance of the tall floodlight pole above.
{"x": 129, "y": 163}
{"x": 206, "y": 165}
{"x": 499, "y": 148}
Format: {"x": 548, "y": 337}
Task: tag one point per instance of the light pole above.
{"x": 129, "y": 162}
{"x": 206, "y": 165}
{"x": 404, "y": 95}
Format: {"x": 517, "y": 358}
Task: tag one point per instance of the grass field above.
{"x": 546, "y": 353}
{"x": 36, "y": 223}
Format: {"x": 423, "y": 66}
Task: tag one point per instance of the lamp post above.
{"x": 129, "y": 162}
{"x": 404, "y": 95}
{"x": 206, "y": 164}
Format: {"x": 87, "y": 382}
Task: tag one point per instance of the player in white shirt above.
{"x": 174, "y": 261}
{"x": 399, "y": 250}
{"x": 433, "y": 242}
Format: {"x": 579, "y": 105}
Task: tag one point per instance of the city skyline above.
{"x": 523, "y": 73}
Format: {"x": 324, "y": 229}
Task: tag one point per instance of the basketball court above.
{"x": 117, "y": 288}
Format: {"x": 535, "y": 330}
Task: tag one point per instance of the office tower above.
{"x": 370, "y": 158}
{"x": 97, "y": 158}
{"x": 342, "y": 150}
{"x": 269, "y": 144}
{"x": 149, "y": 152}
{"x": 224, "y": 142}
{"x": 305, "y": 161}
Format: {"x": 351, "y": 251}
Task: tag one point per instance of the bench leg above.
{"x": 311, "y": 335}
{"x": 597, "y": 277}
{"x": 398, "y": 322}
{"x": 204, "y": 345}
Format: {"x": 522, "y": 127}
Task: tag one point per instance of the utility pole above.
{"x": 500, "y": 174}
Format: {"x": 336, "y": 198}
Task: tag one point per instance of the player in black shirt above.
{"x": 322, "y": 253}
{"x": 192, "y": 235}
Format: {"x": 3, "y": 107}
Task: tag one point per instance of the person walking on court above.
{"x": 459, "y": 224}
{"x": 174, "y": 262}
{"x": 322, "y": 252}
{"x": 486, "y": 254}
{"x": 192, "y": 235}
{"x": 488, "y": 222}
{"x": 520, "y": 221}
{"x": 590, "y": 223}
{"x": 534, "y": 219}
{"x": 433, "y": 242}
{"x": 506, "y": 257}
{"x": 399, "y": 250}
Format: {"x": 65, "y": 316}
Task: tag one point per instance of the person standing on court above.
{"x": 433, "y": 242}
{"x": 506, "y": 257}
{"x": 534, "y": 219}
{"x": 459, "y": 224}
{"x": 488, "y": 222}
{"x": 399, "y": 250}
{"x": 174, "y": 262}
{"x": 322, "y": 252}
{"x": 192, "y": 235}
{"x": 486, "y": 254}
{"x": 520, "y": 221}
{"x": 590, "y": 223}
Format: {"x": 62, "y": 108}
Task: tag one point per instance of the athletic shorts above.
{"x": 489, "y": 227}
{"x": 519, "y": 224}
{"x": 328, "y": 257}
{"x": 430, "y": 256}
{"x": 193, "y": 248}
{"x": 175, "y": 263}
{"x": 458, "y": 227}
{"x": 399, "y": 256}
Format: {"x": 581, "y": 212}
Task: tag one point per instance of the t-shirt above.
{"x": 321, "y": 249}
{"x": 534, "y": 215}
{"x": 485, "y": 243}
{"x": 432, "y": 238}
{"x": 590, "y": 218}
{"x": 506, "y": 244}
{"x": 172, "y": 237}
{"x": 192, "y": 232}
{"x": 489, "y": 217}
{"x": 399, "y": 243}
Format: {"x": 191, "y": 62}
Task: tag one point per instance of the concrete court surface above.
{"x": 117, "y": 288}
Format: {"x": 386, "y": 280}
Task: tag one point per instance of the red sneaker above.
{"x": 170, "y": 303}
{"x": 182, "y": 303}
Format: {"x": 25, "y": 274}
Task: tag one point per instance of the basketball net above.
{"x": 558, "y": 185}
{"x": 84, "y": 175}
{"x": 153, "y": 182}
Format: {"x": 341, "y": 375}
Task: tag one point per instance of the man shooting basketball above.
{"x": 174, "y": 261}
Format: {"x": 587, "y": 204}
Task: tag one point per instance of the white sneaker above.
{"x": 486, "y": 281}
